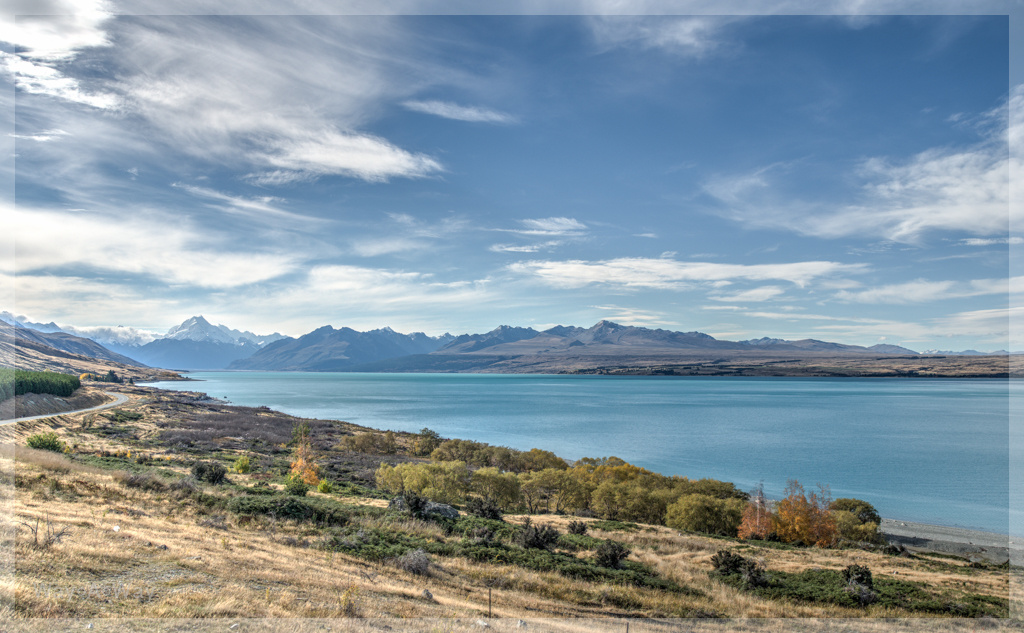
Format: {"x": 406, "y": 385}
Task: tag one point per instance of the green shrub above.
{"x": 325, "y": 487}
{"x": 611, "y": 526}
{"x": 536, "y": 536}
{"x": 610, "y": 554}
{"x": 296, "y": 487}
{"x": 121, "y": 416}
{"x": 46, "y": 442}
{"x": 242, "y": 465}
{"x": 484, "y": 508}
{"x": 577, "y": 527}
{"x": 312, "y": 509}
{"x": 210, "y": 472}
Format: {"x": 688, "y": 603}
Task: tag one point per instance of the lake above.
{"x": 932, "y": 451}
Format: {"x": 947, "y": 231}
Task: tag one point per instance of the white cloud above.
{"x": 681, "y": 35}
{"x": 173, "y": 252}
{"x": 634, "y": 316}
{"x": 762, "y": 293}
{"x": 54, "y": 30}
{"x": 42, "y": 79}
{"x": 44, "y": 137}
{"x": 921, "y": 291}
{"x": 965, "y": 190}
{"x": 248, "y": 207}
{"x": 552, "y": 226}
{"x": 670, "y": 274}
{"x": 994, "y": 241}
{"x": 512, "y": 248}
{"x": 332, "y": 152}
{"x": 460, "y": 113}
{"x": 386, "y": 246}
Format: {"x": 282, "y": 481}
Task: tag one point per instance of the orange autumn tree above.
{"x": 805, "y": 517}
{"x": 304, "y": 464}
{"x": 756, "y": 522}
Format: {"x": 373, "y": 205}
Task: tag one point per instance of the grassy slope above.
{"x": 176, "y": 554}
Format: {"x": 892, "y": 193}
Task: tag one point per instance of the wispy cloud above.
{"x": 262, "y": 206}
{"x": 922, "y": 291}
{"x": 763, "y": 293}
{"x": 991, "y": 241}
{"x": 173, "y": 252}
{"x": 689, "y": 36}
{"x": 43, "y": 137}
{"x": 671, "y": 274}
{"x": 634, "y": 316}
{"x": 567, "y": 227}
{"x": 448, "y": 110}
{"x": 965, "y": 190}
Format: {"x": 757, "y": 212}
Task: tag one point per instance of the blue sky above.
{"x": 842, "y": 177}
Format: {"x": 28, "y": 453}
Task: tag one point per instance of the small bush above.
{"x": 484, "y": 508}
{"x": 415, "y": 562}
{"x": 143, "y": 481}
{"x": 325, "y": 486}
{"x": 578, "y": 528}
{"x": 46, "y": 442}
{"x": 536, "y": 537}
{"x": 186, "y": 486}
{"x": 750, "y": 572}
{"x": 210, "y": 472}
{"x": 242, "y": 465}
{"x": 611, "y": 554}
{"x": 296, "y": 487}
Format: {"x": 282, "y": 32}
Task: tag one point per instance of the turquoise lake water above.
{"x": 933, "y": 451}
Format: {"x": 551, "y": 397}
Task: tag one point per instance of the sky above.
{"x": 844, "y": 177}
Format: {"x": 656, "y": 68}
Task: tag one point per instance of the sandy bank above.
{"x": 971, "y": 544}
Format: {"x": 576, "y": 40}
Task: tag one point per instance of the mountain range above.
{"x": 196, "y": 344}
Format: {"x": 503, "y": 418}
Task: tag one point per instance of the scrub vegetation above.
{"x": 183, "y": 507}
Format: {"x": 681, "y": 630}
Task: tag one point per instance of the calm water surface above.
{"x": 934, "y": 451}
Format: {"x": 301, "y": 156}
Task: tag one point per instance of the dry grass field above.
{"x": 115, "y": 535}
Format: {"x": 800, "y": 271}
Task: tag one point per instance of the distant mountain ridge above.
{"x": 197, "y": 344}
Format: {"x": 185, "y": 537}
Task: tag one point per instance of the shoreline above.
{"x": 975, "y": 545}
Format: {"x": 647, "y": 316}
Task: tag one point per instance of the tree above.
{"x": 805, "y": 518}
{"x": 756, "y": 522}
{"x": 856, "y": 520}
{"x": 501, "y": 489}
{"x": 426, "y": 442}
{"x": 704, "y": 513}
{"x": 304, "y": 466}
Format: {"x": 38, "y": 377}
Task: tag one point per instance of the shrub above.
{"x": 296, "y": 486}
{"x": 750, "y": 573}
{"x": 210, "y": 472}
{"x": 46, "y": 442}
{"x": 242, "y": 465}
{"x": 864, "y": 511}
{"x": 325, "y": 486}
{"x": 536, "y": 537}
{"x": 314, "y": 509}
{"x": 578, "y": 528}
{"x": 415, "y": 562}
{"x": 611, "y": 554}
{"x": 484, "y": 509}
{"x": 144, "y": 481}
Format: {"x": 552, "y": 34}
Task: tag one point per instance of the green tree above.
{"x": 707, "y": 514}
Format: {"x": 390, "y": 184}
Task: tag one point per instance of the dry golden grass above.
{"x": 151, "y": 559}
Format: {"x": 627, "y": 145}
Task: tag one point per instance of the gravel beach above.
{"x": 971, "y": 544}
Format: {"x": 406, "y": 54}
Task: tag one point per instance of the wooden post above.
{"x": 488, "y": 603}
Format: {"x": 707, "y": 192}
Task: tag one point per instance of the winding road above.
{"x": 118, "y": 400}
